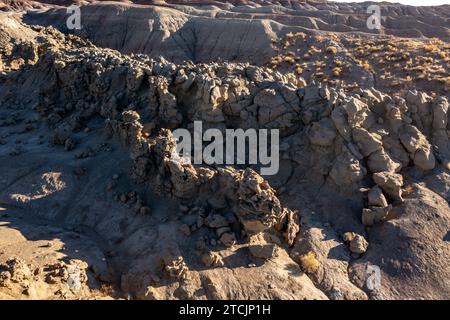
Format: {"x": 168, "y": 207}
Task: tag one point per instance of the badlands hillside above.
{"x": 96, "y": 204}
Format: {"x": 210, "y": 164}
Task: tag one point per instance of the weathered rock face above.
{"x": 413, "y": 219}
{"x": 20, "y": 5}
{"x": 259, "y": 208}
{"x": 18, "y": 278}
{"x": 334, "y": 144}
{"x": 330, "y": 272}
{"x": 321, "y": 16}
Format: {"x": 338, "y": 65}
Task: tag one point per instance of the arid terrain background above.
{"x": 94, "y": 204}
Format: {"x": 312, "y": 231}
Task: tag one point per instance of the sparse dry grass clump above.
{"x": 431, "y": 47}
{"x": 289, "y": 35}
{"x": 405, "y": 55}
{"x": 336, "y": 71}
{"x": 331, "y": 50}
{"x": 106, "y": 291}
{"x": 314, "y": 50}
{"x": 289, "y": 59}
{"x": 319, "y": 64}
{"x": 300, "y": 35}
{"x": 365, "y": 65}
{"x": 309, "y": 262}
{"x": 398, "y": 64}
{"x": 291, "y": 39}
{"x": 421, "y": 76}
{"x": 276, "y": 60}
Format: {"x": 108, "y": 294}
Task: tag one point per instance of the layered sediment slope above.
{"x": 98, "y": 204}
{"x": 287, "y": 38}
{"x": 204, "y": 33}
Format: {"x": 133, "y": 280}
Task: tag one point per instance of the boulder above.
{"x": 391, "y": 184}
{"x": 376, "y": 197}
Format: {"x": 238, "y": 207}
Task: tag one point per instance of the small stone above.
{"x": 184, "y": 229}
{"x": 212, "y": 259}
{"x": 216, "y": 221}
{"x": 376, "y": 197}
{"x": 260, "y": 248}
{"x": 200, "y": 222}
{"x": 357, "y": 243}
{"x": 373, "y": 215}
{"x": 221, "y": 231}
{"x": 152, "y": 293}
{"x": 130, "y": 116}
{"x": 144, "y": 210}
{"x": 51, "y": 279}
{"x": 49, "y": 244}
{"x": 37, "y": 271}
{"x": 348, "y": 236}
{"x": 69, "y": 144}
{"x": 228, "y": 239}
{"x": 391, "y": 184}
{"x": 183, "y": 208}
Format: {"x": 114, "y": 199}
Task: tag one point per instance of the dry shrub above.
{"x": 331, "y": 50}
{"x": 289, "y": 59}
{"x": 337, "y": 71}
{"x": 431, "y": 48}
{"x": 276, "y": 60}
{"x": 298, "y": 69}
{"x": 309, "y": 262}
{"x": 365, "y": 65}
